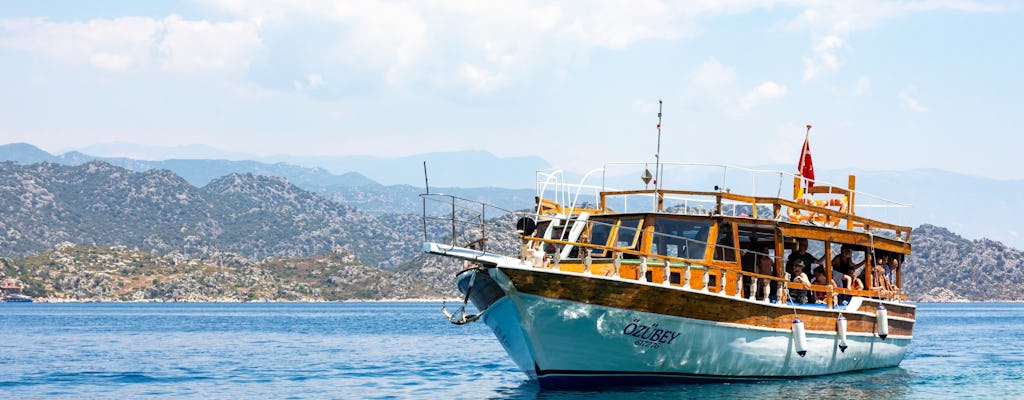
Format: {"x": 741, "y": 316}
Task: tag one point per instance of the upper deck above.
{"x": 672, "y": 229}
{"x": 727, "y": 191}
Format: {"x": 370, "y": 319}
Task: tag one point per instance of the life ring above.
{"x": 796, "y": 215}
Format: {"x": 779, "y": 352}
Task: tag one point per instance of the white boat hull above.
{"x": 564, "y": 343}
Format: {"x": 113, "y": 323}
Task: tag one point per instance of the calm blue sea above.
{"x": 407, "y": 350}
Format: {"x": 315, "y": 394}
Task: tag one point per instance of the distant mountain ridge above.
{"x": 198, "y": 172}
{"x": 350, "y": 188}
{"x": 444, "y": 168}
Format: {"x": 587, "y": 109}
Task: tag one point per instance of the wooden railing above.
{"x": 859, "y": 223}
{"x": 695, "y": 274}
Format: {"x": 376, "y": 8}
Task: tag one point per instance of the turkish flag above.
{"x": 806, "y": 167}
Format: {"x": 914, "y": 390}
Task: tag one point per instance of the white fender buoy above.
{"x": 882, "y": 320}
{"x": 800, "y": 337}
{"x": 841, "y": 330}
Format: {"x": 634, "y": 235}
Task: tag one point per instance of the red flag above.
{"x": 806, "y": 167}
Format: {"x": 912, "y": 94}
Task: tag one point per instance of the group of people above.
{"x": 845, "y": 273}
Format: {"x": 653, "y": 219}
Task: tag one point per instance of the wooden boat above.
{"x": 667, "y": 291}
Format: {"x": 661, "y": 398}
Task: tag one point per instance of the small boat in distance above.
{"x": 10, "y": 291}
{"x": 685, "y": 279}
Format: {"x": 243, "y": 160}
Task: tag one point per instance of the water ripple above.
{"x": 399, "y": 350}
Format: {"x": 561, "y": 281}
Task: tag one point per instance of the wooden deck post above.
{"x": 852, "y": 185}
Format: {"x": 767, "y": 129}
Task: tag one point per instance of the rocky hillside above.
{"x": 102, "y": 232}
{"x": 98, "y": 204}
{"x": 77, "y": 273}
{"x": 944, "y": 267}
{"x": 947, "y": 267}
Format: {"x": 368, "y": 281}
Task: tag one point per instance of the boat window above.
{"x": 542, "y": 227}
{"x": 754, "y": 239}
{"x": 725, "y": 249}
{"x": 601, "y": 230}
{"x": 628, "y": 230}
{"x": 680, "y": 238}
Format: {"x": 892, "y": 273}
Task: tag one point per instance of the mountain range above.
{"x": 96, "y": 231}
{"x": 972, "y": 206}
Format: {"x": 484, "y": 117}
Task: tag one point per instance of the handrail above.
{"x": 756, "y": 201}
{"x": 876, "y": 206}
{"x": 477, "y": 217}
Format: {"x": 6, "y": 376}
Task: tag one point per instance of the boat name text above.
{"x": 649, "y": 336}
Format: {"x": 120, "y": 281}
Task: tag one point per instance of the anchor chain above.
{"x": 459, "y": 317}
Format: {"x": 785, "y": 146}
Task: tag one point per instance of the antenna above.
{"x": 657, "y": 155}
{"x": 426, "y": 181}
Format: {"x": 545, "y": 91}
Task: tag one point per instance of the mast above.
{"x": 657, "y": 154}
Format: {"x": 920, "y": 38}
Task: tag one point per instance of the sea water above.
{"x": 408, "y": 350}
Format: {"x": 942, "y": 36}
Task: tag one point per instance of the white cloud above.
{"x": 825, "y": 58}
{"x": 114, "y": 44}
{"x": 312, "y": 81}
{"x": 479, "y": 45}
{"x": 908, "y": 100}
{"x": 766, "y": 91}
{"x": 471, "y": 44}
{"x": 718, "y": 83}
{"x": 863, "y": 85}
{"x": 832, "y": 22}
{"x": 192, "y": 45}
{"x": 133, "y": 42}
{"x": 480, "y": 79}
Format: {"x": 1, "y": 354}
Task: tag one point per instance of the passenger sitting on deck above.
{"x": 800, "y": 296}
{"x": 894, "y": 267}
{"x": 802, "y": 254}
{"x": 853, "y": 282}
{"x": 820, "y": 279}
{"x": 843, "y": 262}
{"x": 879, "y": 281}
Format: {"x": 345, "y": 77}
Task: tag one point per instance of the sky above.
{"x": 886, "y": 85}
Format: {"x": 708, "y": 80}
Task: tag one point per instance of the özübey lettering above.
{"x": 649, "y": 336}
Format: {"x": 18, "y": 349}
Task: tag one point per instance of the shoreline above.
{"x": 412, "y": 300}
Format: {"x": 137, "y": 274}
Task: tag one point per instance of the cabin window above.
{"x": 629, "y": 228}
{"x": 754, "y": 239}
{"x": 725, "y": 249}
{"x": 601, "y": 230}
{"x": 680, "y": 238}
